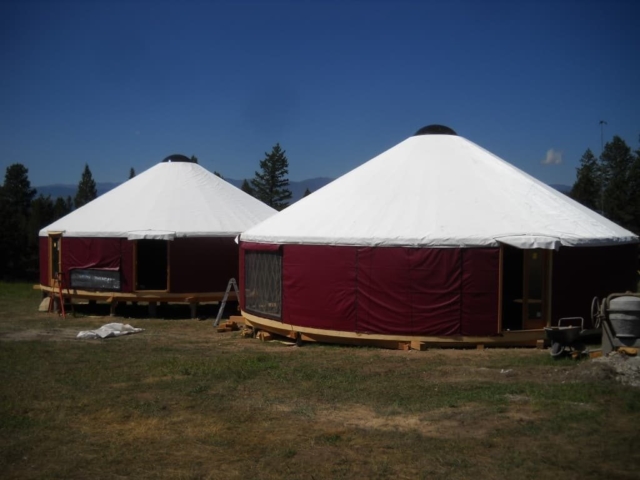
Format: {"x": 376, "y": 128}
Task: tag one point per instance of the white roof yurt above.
{"x": 435, "y": 239}
{"x": 167, "y": 234}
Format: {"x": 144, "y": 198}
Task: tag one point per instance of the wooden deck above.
{"x": 521, "y": 338}
{"x": 152, "y": 298}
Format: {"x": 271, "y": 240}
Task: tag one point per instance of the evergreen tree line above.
{"x": 610, "y": 184}
{"x": 23, "y": 214}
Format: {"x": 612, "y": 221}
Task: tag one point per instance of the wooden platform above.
{"x": 152, "y": 298}
{"x": 521, "y": 338}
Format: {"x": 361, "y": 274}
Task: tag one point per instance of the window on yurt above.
{"x": 263, "y": 283}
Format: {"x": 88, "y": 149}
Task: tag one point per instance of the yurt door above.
{"x": 535, "y": 289}
{"x": 152, "y": 260}
{"x": 525, "y": 288}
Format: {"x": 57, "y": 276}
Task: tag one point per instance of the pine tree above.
{"x": 42, "y": 214}
{"x": 16, "y": 196}
{"x": 616, "y": 163}
{"x": 218, "y": 174}
{"x": 634, "y": 189}
{"x": 306, "y": 193}
{"x": 86, "y": 188}
{"x": 246, "y": 188}
{"x": 61, "y": 208}
{"x": 272, "y": 185}
{"x": 17, "y": 188}
{"x": 132, "y": 173}
{"x": 587, "y": 188}
{"x": 194, "y": 159}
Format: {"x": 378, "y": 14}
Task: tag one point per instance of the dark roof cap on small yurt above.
{"x": 176, "y": 157}
{"x": 435, "y": 130}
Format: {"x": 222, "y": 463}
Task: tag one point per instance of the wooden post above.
{"x": 153, "y": 310}
{"x": 500, "y": 286}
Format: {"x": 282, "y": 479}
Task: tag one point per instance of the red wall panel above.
{"x": 202, "y": 264}
{"x": 384, "y": 291}
{"x": 43, "y": 248}
{"x": 408, "y": 291}
{"x": 435, "y": 275}
{"x": 394, "y": 291}
{"x": 102, "y": 253}
{"x": 480, "y": 291}
{"x": 319, "y": 286}
{"x": 99, "y": 253}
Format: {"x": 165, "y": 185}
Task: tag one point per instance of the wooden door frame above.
{"x": 547, "y": 263}
{"x": 546, "y": 286}
{"x": 50, "y": 237}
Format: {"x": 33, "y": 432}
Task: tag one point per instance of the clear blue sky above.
{"x": 121, "y": 84}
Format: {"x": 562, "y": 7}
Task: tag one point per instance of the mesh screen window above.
{"x": 263, "y": 283}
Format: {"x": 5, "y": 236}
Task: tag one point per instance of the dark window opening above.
{"x": 263, "y": 283}
{"x": 151, "y": 265}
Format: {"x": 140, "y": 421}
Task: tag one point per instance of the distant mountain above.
{"x": 561, "y": 188}
{"x": 64, "y": 191}
{"x": 297, "y": 188}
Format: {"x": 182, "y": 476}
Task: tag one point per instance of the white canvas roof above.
{"x": 438, "y": 190}
{"x": 172, "y": 199}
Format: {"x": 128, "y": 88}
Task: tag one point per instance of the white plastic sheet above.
{"x": 110, "y": 330}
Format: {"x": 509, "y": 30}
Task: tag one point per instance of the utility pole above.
{"x": 602, "y": 124}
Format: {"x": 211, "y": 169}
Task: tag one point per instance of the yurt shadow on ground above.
{"x": 166, "y": 235}
{"x": 435, "y": 240}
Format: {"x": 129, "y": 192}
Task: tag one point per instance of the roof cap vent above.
{"x": 176, "y": 157}
{"x": 435, "y": 130}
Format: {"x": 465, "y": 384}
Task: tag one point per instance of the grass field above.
{"x": 182, "y": 401}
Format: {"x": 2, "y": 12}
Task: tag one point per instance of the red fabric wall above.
{"x": 480, "y": 291}
{"x": 384, "y": 291}
{"x": 202, "y": 264}
{"x": 579, "y": 274}
{"x": 391, "y": 290}
{"x": 436, "y": 297}
{"x": 196, "y": 264}
{"x": 319, "y": 286}
{"x": 103, "y": 253}
{"x": 409, "y": 291}
{"x": 43, "y": 246}
{"x": 99, "y": 253}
